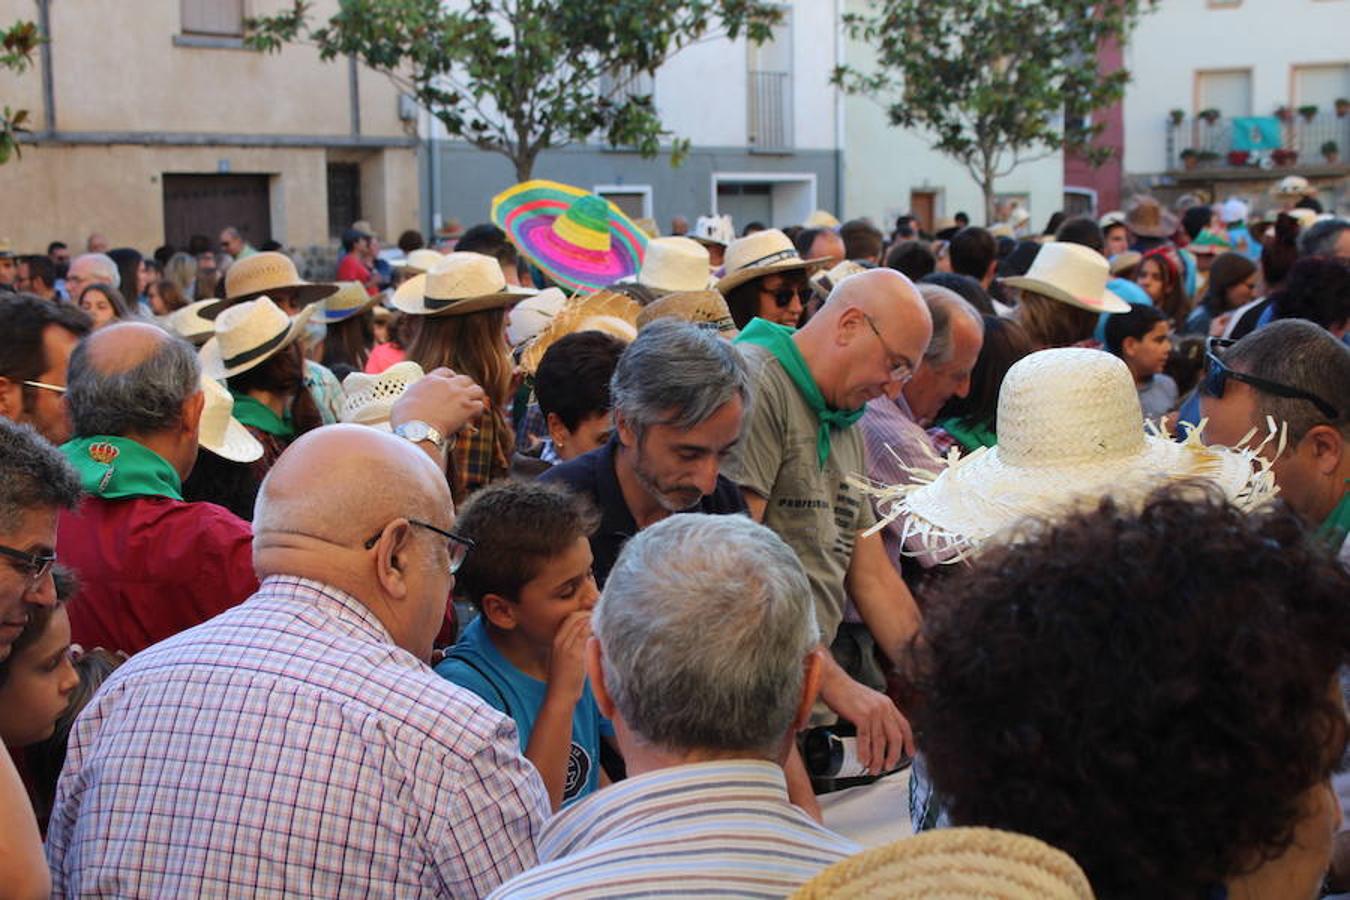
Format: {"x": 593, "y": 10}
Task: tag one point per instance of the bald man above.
{"x": 801, "y": 446}
{"x": 299, "y": 744}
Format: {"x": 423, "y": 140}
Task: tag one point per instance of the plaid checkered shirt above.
{"x": 288, "y": 748}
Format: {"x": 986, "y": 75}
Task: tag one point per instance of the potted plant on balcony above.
{"x": 1284, "y": 114}
{"x": 1190, "y": 157}
{"x": 1284, "y": 157}
{"x": 1176, "y": 116}
{"x": 1308, "y": 111}
{"x": 1207, "y": 157}
{"x": 1210, "y": 116}
{"x": 1331, "y": 152}
{"x": 1239, "y": 157}
{"x": 1342, "y": 106}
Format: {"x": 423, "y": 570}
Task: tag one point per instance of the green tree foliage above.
{"x": 996, "y": 83}
{"x": 517, "y": 77}
{"x": 17, "y": 44}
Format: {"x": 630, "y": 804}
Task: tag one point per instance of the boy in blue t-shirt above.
{"x": 529, "y": 575}
{"x": 1142, "y": 338}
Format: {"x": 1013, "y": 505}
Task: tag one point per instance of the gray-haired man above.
{"x": 706, "y": 658}
{"x": 680, "y": 394}
{"x": 91, "y": 268}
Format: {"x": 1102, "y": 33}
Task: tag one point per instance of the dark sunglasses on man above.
{"x": 1217, "y": 374}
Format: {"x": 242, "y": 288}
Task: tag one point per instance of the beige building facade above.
{"x": 151, "y": 122}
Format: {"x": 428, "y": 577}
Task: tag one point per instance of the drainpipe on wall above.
{"x": 839, "y": 115}
{"x": 48, "y": 81}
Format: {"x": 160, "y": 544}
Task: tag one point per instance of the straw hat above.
{"x": 1124, "y": 262}
{"x": 648, "y": 226}
{"x": 350, "y": 300}
{"x": 532, "y": 315}
{"x": 762, "y": 253}
{"x": 1072, "y": 274}
{"x": 579, "y": 240}
{"x": 822, "y": 283}
{"x": 420, "y": 260}
{"x": 608, "y": 311}
{"x": 6, "y": 248}
{"x": 675, "y": 264}
{"x": 262, "y": 273}
{"x": 219, "y": 431}
{"x": 1145, "y": 216}
{"x": 188, "y": 323}
{"x": 716, "y": 230}
{"x": 706, "y": 309}
{"x": 945, "y": 228}
{"x": 1069, "y": 434}
{"x": 953, "y": 864}
{"x": 1294, "y": 186}
{"x": 1306, "y": 218}
{"x": 370, "y": 398}
{"x": 462, "y": 283}
{"x": 820, "y": 219}
{"x": 248, "y": 334}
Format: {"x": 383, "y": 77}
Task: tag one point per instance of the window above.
{"x": 344, "y": 196}
{"x": 619, "y": 85}
{"x": 769, "y": 80}
{"x": 214, "y": 18}
{"x": 1227, "y": 90}
{"x": 634, "y": 199}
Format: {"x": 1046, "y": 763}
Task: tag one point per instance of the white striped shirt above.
{"x": 722, "y": 829}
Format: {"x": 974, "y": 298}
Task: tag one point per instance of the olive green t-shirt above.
{"x": 815, "y": 510}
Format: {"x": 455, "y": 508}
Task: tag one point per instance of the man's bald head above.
{"x": 130, "y": 378}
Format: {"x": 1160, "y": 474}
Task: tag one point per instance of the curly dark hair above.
{"x": 1150, "y": 692}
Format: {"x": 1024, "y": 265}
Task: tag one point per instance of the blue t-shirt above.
{"x": 474, "y": 663}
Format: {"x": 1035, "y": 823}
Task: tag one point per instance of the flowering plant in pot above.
{"x": 1176, "y": 116}
{"x": 1189, "y": 158}
{"x": 1284, "y": 114}
{"x": 1343, "y": 106}
{"x": 1308, "y": 111}
{"x": 1238, "y": 157}
{"x": 1210, "y": 116}
{"x": 1284, "y": 157}
{"x": 1331, "y": 152}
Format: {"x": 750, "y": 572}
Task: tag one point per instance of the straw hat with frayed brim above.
{"x": 706, "y": 309}
{"x": 462, "y": 283}
{"x": 369, "y": 399}
{"x": 578, "y": 239}
{"x": 350, "y": 300}
{"x": 1072, "y": 274}
{"x": 421, "y": 260}
{"x": 1146, "y": 216}
{"x": 188, "y": 323}
{"x": 953, "y": 864}
{"x": 248, "y": 334}
{"x": 762, "y": 253}
{"x": 260, "y": 274}
{"x": 219, "y": 431}
{"x": 604, "y": 311}
{"x": 1070, "y": 434}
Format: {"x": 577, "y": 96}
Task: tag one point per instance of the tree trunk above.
{"x": 987, "y": 186}
{"x": 524, "y": 166}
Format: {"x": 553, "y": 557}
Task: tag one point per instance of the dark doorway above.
{"x": 344, "y": 197}
{"x": 204, "y": 204}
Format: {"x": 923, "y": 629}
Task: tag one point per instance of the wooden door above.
{"x": 922, "y": 206}
{"x": 204, "y": 204}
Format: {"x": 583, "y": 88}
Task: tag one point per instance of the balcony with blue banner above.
{"x": 1307, "y": 138}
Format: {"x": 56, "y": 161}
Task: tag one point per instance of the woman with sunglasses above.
{"x": 766, "y": 279}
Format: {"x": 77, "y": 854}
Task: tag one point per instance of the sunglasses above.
{"x": 1218, "y": 373}
{"x": 458, "y": 547}
{"x": 34, "y": 565}
{"x": 784, "y": 296}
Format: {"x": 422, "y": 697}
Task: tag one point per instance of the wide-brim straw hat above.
{"x": 219, "y": 431}
{"x": 420, "y": 260}
{"x": 763, "y": 253}
{"x": 713, "y": 230}
{"x": 262, "y": 273}
{"x": 533, "y": 314}
{"x": 1070, "y": 433}
{"x": 675, "y": 264}
{"x": 1145, "y": 216}
{"x": 821, "y": 219}
{"x": 1294, "y": 186}
{"x": 953, "y": 864}
{"x": 350, "y": 300}
{"x": 825, "y": 281}
{"x": 608, "y": 311}
{"x": 581, "y": 241}
{"x": 369, "y": 399}
{"x": 188, "y": 323}
{"x": 461, "y": 283}
{"x": 706, "y": 309}
{"x": 1124, "y": 261}
{"x": 248, "y": 334}
{"x": 1072, "y": 274}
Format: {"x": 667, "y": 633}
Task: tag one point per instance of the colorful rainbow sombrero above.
{"x": 581, "y": 241}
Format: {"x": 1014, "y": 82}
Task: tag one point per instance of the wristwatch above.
{"x": 418, "y": 431}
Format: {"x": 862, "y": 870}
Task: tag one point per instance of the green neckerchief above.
{"x": 1337, "y": 525}
{"x": 259, "y": 415}
{"x": 777, "y": 339}
{"x": 969, "y": 436}
{"x": 114, "y": 467}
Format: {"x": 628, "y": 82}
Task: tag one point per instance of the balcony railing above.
{"x": 1218, "y": 143}
{"x": 770, "y": 111}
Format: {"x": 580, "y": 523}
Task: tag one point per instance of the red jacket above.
{"x": 151, "y": 567}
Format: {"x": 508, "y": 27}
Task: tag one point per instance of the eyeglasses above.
{"x": 458, "y": 547}
{"x": 902, "y": 371}
{"x": 34, "y": 565}
{"x": 783, "y": 296}
{"x": 58, "y": 388}
{"x": 1218, "y": 373}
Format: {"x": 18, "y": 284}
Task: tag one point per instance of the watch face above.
{"x": 415, "y": 431}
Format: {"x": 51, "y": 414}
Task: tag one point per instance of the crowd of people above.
{"x": 525, "y": 564}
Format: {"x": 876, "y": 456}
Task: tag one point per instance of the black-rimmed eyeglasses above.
{"x": 1217, "y": 374}
{"x": 458, "y": 547}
